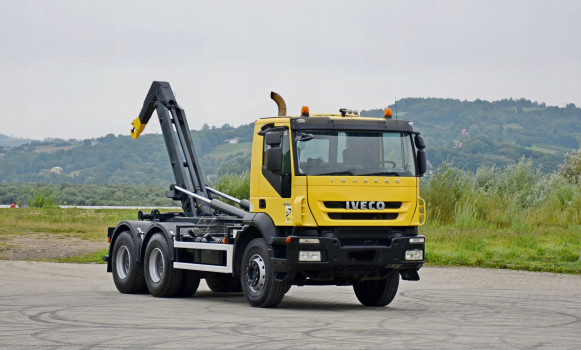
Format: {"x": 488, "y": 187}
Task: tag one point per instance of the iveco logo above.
{"x": 364, "y": 205}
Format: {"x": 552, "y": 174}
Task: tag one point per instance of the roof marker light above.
{"x": 387, "y": 113}
{"x": 305, "y": 111}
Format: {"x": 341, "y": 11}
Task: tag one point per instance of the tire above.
{"x": 257, "y": 277}
{"x": 223, "y": 283}
{"x": 189, "y": 285}
{"x": 377, "y": 293}
{"x": 127, "y": 271}
{"x": 161, "y": 278}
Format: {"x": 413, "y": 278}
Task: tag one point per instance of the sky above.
{"x": 81, "y": 69}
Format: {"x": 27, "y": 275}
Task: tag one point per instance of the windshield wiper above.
{"x": 344, "y": 172}
{"x": 383, "y": 173}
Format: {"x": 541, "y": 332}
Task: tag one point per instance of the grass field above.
{"x": 550, "y": 248}
{"x": 32, "y": 231}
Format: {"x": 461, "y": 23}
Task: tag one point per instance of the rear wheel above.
{"x": 377, "y": 293}
{"x": 161, "y": 278}
{"x": 127, "y": 271}
{"x": 223, "y": 283}
{"x": 258, "y": 283}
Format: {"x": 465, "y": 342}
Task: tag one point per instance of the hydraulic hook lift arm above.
{"x": 185, "y": 166}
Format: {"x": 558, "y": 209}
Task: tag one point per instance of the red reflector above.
{"x": 288, "y": 240}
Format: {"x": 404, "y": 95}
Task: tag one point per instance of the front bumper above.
{"x": 341, "y": 263}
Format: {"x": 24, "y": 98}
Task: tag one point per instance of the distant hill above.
{"x": 475, "y": 133}
{"x": 468, "y": 133}
{"x": 121, "y": 160}
{"x": 8, "y": 141}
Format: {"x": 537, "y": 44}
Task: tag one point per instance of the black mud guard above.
{"x": 264, "y": 224}
{"x": 141, "y": 231}
{"x": 166, "y": 228}
{"x": 409, "y": 275}
{"x": 136, "y": 228}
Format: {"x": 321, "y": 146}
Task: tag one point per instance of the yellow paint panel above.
{"x": 354, "y": 188}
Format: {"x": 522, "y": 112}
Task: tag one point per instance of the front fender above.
{"x": 264, "y": 224}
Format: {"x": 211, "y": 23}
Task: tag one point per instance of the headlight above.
{"x": 309, "y": 255}
{"x": 415, "y": 254}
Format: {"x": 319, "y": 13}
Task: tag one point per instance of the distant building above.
{"x": 232, "y": 141}
{"x": 56, "y": 170}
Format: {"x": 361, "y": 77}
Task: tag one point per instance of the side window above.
{"x": 280, "y": 181}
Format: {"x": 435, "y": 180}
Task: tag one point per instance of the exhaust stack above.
{"x": 279, "y": 103}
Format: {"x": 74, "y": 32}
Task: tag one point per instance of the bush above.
{"x": 519, "y": 197}
{"x": 571, "y": 167}
{"x": 236, "y": 185}
{"x": 43, "y": 197}
{"x": 444, "y": 192}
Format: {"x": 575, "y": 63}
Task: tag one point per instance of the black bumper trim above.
{"x": 347, "y": 261}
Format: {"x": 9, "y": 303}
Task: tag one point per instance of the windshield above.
{"x": 354, "y": 153}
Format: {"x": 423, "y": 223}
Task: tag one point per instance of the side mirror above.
{"x": 274, "y": 159}
{"x": 422, "y": 162}
{"x": 420, "y": 142}
{"x": 273, "y": 138}
{"x": 274, "y": 152}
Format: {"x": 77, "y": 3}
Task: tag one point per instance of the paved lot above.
{"x": 68, "y": 306}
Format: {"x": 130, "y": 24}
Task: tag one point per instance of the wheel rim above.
{"x": 156, "y": 265}
{"x": 122, "y": 260}
{"x": 256, "y": 273}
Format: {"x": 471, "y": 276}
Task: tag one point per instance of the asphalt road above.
{"x": 69, "y": 306}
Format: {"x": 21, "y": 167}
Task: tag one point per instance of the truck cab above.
{"x": 342, "y": 192}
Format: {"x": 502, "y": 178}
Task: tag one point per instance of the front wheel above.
{"x": 258, "y": 283}
{"x": 161, "y": 278}
{"x": 377, "y": 293}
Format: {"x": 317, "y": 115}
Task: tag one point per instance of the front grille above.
{"x": 343, "y": 205}
{"x": 363, "y": 216}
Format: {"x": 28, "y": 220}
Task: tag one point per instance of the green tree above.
{"x": 571, "y": 167}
